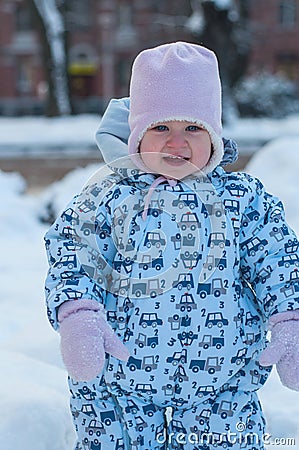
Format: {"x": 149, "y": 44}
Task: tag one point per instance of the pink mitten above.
{"x": 85, "y": 337}
{"x": 283, "y": 349}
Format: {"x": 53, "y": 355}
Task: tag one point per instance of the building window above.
{"x": 123, "y": 73}
{"x": 83, "y": 60}
{"x": 288, "y": 13}
{"x": 125, "y": 36}
{"x": 125, "y": 15}
{"x": 287, "y": 64}
{"x": 24, "y": 76}
{"x": 79, "y": 14}
{"x": 83, "y": 66}
{"x": 23, "y": 17}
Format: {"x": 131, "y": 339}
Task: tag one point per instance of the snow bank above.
{"x": 40, "y": 134}
{"x": 54, "y": 198}
{"x": 34, "y": 405}
{"x": 281, "y": 408}
{"x": 33, "y": 390}
{"x": 12, "y": 188}
{"x": 262, "y": 130}
{"x": 35, "y": 132}
{"x": 277, "y": 165}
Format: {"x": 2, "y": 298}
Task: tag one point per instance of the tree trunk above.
{"x": 229, "y": 38}
{"x": 50, "y": 24}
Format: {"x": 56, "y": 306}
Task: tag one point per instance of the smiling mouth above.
{"x": 176, "y": 160}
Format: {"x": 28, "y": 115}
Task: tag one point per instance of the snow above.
{"x": 59, "y": 193}
{"x": 33, "y": 388}
{"x": 278, "y": 166}
{"x": 223, "y": 4}
{"x": 262, "y": 130}
{"x": 33, "y": 134}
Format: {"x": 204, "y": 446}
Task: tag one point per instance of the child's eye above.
{"x": 160, "y": 128}
{"x": 193, "y": 128}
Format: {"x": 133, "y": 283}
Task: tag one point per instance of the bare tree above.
{"x": 50, "y": 21}
{"x": 222, "y": 25}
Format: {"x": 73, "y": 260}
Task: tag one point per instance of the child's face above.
{"x": 175, "y": 149}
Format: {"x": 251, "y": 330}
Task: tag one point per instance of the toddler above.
{"x": 166, "y": 274}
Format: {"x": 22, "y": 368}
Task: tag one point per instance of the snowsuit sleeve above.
{"x": 269, "y": 253}
{"x": 80, "y": 252}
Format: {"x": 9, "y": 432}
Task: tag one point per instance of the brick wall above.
{"x": 110, "y": 53}
{"x": 275, "y": 38}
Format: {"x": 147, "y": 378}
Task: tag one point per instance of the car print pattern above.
{"x": 189, "y": 290}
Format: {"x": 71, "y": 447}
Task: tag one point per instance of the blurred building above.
{"x": 275, "y": 37}
{"x": 105, "y": 36}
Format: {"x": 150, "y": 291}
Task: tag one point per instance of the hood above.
{"x": 112, "y": 139}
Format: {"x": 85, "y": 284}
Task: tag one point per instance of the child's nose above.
{"x": 176, "y": 140}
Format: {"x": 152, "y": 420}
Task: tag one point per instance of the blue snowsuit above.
{"x": 189, "y": 291}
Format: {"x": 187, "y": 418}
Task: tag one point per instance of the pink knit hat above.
{"x": 176, "y": 81}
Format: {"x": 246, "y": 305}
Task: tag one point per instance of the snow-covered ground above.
{"x": 34, "y": 412}
{"x": 75, "y": 134}
{"x": 33, "y": 135}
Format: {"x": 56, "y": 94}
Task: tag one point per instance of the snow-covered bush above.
{"x": 266, "y": 95}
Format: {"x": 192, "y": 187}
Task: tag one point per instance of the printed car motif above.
{"x": 189, "y": 290}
